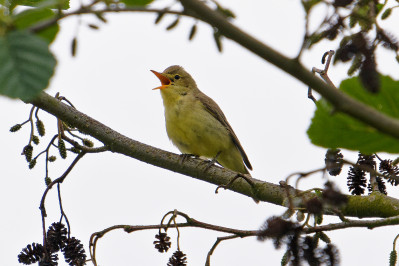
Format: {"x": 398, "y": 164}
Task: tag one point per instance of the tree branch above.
{"x": 233, "y": 233}
{"x": 341, "y": 101}
{"x": 84, "y": 10}
{"x": 374, "y": 205}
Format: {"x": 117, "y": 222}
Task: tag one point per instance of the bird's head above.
{"x": 175, "y": 79}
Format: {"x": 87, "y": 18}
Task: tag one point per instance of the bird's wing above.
{"x": 212, "y": 107}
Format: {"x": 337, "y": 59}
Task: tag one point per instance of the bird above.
{"x": 195, "y": 123}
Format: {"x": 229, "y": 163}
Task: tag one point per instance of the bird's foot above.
{"x": 185, "y": 156}
{"x": 247, "y": 179}
{"x": 210, "y": 163}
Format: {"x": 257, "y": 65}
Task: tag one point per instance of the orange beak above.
{"x": 164, "y": 80}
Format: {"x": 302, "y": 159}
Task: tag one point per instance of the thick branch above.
{"x": 375, "y": 205}
{"x": 342, "y": 102}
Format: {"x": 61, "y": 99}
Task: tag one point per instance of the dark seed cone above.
{"x": 331, "y": 255}
{"x": 314, "y": 206}
{"x": 56, "y": 237}
{"x": 163, "y": 242}
{"x": 293, "y": 248}
{"x": 52, "y": 158}
{"x": 334, "y": 161}
{"x": 390, "y": 172}
{"x": 381, "y": 186}
{"x": 178, "y": 259}
{"x": 357, "y": 175}
{"x": 309, "y": 251}
{"x": 277, "y": 228}
{"x": 74, "y": 253}
{"x": 367, "y": 160}
{"x": 52, "y": 261}
{"x": 31, "y": 254}
{"x": 27, "y": 151}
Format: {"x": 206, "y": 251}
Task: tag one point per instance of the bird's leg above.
{"x": 248, "y": 180}
{"x": 209, "y": 163}
{"x": 185, "y": 156}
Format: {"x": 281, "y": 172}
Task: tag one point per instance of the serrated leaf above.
{"x": 26, "y": 65}
{"x": 32, "y": 16}
{"x": 342, "y": 131}
{"x": 136, "y": 2}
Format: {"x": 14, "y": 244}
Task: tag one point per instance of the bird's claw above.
{"x": 248, "y": 180}
{"x": 185, "y": 156}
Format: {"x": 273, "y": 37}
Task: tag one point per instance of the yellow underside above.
{"x": 193, "y": 130}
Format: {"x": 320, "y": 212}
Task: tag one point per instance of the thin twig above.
{"x": 63, "y": 215}
{"x": 322, "y": 73}
{"x": 218, "y": 240}
{"x": 58, "y": 180}
{"x": 85, "y": 148}
{"x": 87, "y": 10}
{"x": 32, "y": 128}
{"x": 234, "y": 233}
{"x": 47, "y": 152}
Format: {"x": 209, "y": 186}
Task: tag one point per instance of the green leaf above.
{"x": 339, "y": 130}
{"x": 30, "y": 17}
{"x": 26, "y": 65}
{"x": 55, "y": 4}
{"x": 136, "y": 2}
{"x": 386, "y": 13}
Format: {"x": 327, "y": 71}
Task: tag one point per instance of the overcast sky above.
{"x": 110, "y": 80}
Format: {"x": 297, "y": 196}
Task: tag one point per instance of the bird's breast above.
{"x": 193, "y": 129}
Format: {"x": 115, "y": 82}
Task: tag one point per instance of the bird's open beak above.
{"x": 164, "y": 80}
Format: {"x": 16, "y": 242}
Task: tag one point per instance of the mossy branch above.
{"x": 374, "y": 205}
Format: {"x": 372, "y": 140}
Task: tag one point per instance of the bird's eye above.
{"x": 177, "y": 77}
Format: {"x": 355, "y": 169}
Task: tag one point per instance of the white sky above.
{"x": 110, "y": 81}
